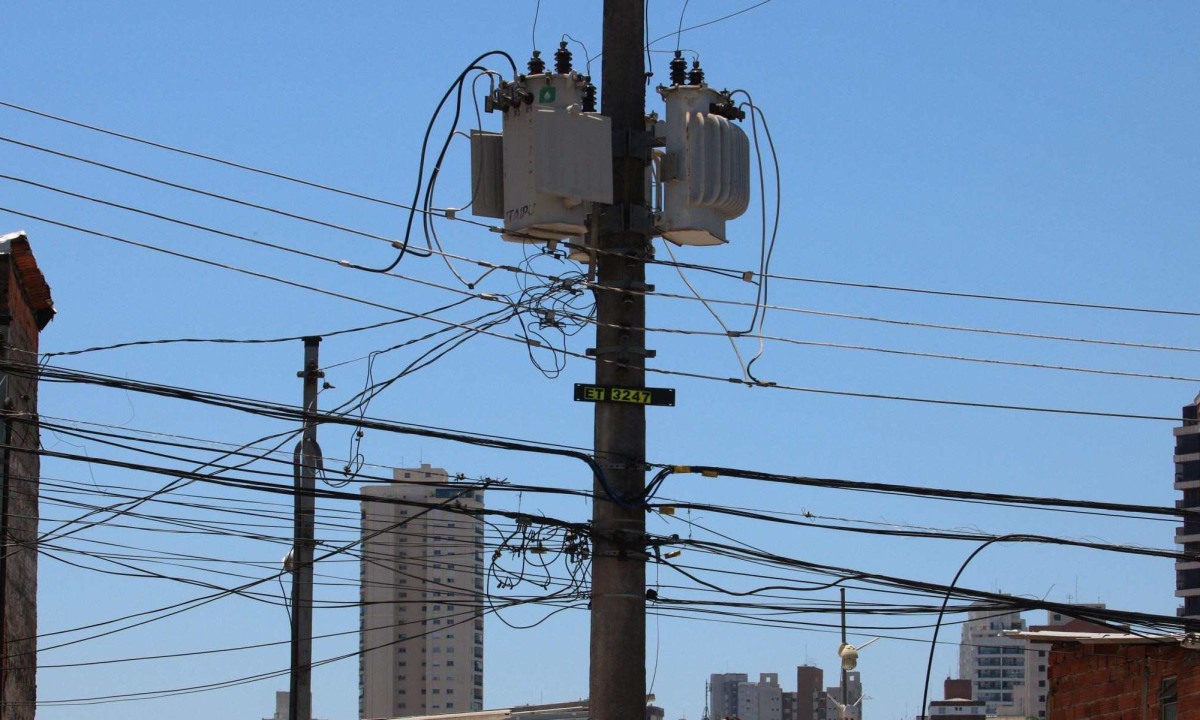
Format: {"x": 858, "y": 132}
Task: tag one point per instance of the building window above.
{"x": 1167, "y": 698}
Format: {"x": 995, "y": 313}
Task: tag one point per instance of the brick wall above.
{"x": 1121, "y": 682}
{"x": 20, "y": 471}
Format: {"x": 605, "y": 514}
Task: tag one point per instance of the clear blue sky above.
{"x": 1045, "y": 150}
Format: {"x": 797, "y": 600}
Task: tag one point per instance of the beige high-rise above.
{"x": 421, "y": 639}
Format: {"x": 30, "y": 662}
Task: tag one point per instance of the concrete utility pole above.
{"x": 618, "y": 632}
{"x": 305, "y": 470}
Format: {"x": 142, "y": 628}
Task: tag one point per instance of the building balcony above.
{"x": 1183, "y": 536}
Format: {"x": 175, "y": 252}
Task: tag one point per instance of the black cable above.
{"x": 291, "y": 413}
{"x": 938, "y": 625}
{"x": 923, "y": 492}
{"x": 403, "y": 245}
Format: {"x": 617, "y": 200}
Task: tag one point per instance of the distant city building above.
{"x": 574, "y": 710}
{"x": 1009, "y": 673}
{"x": 760, "y": 700}
{"x": 282, "y": 701}
{"x": 734, "y": 695}
{"x": 837, "y": 708}
{"x": 421, "y": 640}
{"x": 997, "y": 664}
{"x": 1187, "y": 482}
{"x": 956, "y": 703}
{"x": 810, "y": 693}
{"x": 723, "y": 694}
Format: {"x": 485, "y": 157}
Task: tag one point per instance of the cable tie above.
{"x": 710, "y": 473}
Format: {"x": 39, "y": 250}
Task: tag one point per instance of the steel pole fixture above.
{"x": 305, "y": 460}
{"x": 617, "y": 676}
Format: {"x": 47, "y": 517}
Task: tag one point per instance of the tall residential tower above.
{"x": 1187, "y": 482}
{"x": 421, "y": 634}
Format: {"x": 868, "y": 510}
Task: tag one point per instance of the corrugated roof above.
{"x": 521, "y": 712}
{"x": 1097, "y": 638}
{"x": 35, "y": 285}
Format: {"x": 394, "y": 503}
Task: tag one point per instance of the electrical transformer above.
{"x": 705, "y": 170}
{"x": 555, "y": 155}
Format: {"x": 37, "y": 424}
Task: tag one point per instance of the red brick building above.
{"x": 1119, "y": 676}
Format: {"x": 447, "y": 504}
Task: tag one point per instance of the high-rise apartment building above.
{"x": 810, "y": 693}
{"x": 762, "y": 700}
{"x": 1009, "y": 674}
{"x": 421, "y": 640}
{"x": 1187, "y": 482}
{"x": 723, "y": 694}
{"x": 998, "y": 666}
{"x": 734, "y": 695}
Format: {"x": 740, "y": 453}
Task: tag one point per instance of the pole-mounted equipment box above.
{"x": 552, "y": 161}
{"x": 705, "y": 170}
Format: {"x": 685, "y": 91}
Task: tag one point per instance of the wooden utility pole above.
{"x": 618, "y": 599}
{"x": 305, "y": 471}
